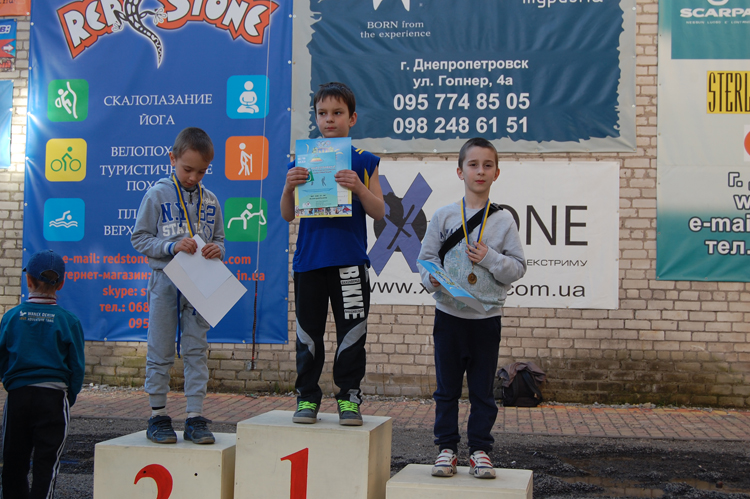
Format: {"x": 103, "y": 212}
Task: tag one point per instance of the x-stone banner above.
{"x": 568, "y": 220}
{"x": 111, "y": 84}
{"x": 530, "y": 75}
{"x": 703, "y": 165}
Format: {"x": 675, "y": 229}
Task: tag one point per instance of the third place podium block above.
{"x": 132, "y": 467}
{"x": 416, "y": 482}
{"x": 280, "y": 459}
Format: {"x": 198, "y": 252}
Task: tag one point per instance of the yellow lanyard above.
{"x": 184, "y": 207}
{"x": 463, "y": 221}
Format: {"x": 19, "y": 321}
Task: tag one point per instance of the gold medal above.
{"x": 472, "y": 278}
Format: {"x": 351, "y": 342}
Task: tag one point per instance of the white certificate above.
{"x": 207, "y": 284}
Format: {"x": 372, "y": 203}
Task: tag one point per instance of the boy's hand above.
{"x": 294, "y": 177}
{"x": 477, "y": 252}
{"x": 188, "y": 245}
{"x": 434, "y": 282}
{"x": 350, "y": 180}
{"x": 210, "y": 251}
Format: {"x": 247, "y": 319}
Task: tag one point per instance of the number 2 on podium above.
{"x": 298, "y": 487}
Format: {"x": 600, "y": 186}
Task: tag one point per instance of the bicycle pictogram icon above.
{"x": 62, "y": 164}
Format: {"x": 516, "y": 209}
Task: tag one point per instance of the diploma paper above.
{"x": 207, "y": 284}
{"x": 452, "y": 286}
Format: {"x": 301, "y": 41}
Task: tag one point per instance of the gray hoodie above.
{"x": 161, "y": 223}
{"x": 503, "y": 264}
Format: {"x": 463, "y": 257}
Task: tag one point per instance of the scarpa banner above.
{"x": 703, "y": 166}
{"x": 568, "y": 220}
{"x": 531, "y": 75}
{"x": 111, "y": 85}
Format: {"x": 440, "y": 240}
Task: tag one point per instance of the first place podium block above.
{"x": 416, "y": 482}
{"x": 133, "y": 467}
{"x": 280, "y": 459}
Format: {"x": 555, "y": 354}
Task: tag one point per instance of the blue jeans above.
{"x": 465, "y": 346}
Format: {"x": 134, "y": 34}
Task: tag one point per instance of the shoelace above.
{"x": 306, "y": 405}
{"x": 200, "y": 423}
{"x": 481, "y": 460}
{"x": 347, "y": 406}
{"x": 444, "y": 459}
{"x": 163, "y": 425}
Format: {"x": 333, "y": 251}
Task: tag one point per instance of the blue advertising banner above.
{"x": 533, "y": 75}
{"x": 111, "y": 84}
{"x": 6, "y": 116}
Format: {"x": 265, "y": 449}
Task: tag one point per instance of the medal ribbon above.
{"x": 184, "y": 206}
{"x": 484, "y": 220}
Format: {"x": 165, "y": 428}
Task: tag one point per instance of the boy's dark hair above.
{"x": 195, "y": 139}
{"x": 337, "y": 91}
{"x": 475, "y": 142}
{"x": 45, "y": 287}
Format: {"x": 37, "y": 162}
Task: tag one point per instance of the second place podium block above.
{"x": 278, "y": 458}
{"x": 132, "y": 467}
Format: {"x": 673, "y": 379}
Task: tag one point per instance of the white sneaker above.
{"x": 445, "y": 464}
{"x": 480, "y": 465}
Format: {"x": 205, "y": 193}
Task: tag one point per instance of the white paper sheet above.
{"x": 209, "y": 286}
{"x": 207, "y": 275}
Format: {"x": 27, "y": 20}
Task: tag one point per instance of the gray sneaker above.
{"x": 307, "y": 413}
{"x": 349, "y": 413}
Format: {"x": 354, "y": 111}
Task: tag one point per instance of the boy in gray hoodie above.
{"x": 173, "y": 211}
{"x": 478, "y": 246}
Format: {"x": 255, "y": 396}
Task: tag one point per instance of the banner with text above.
{"x": 15, "y": 7}
{"x": 111, "y": 84}
{"x": 531, "y": 75}
{"x": 568, "y": 220}
{"x": 7, "y": 45}
{"x": 703, "y": 166}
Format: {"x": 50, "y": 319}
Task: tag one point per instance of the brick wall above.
{"x": 669, "y": 342}
{"x": 11, "y": 179}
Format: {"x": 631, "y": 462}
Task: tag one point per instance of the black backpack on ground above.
{"x": 522, "y": 392}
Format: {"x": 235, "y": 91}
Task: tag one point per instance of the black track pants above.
{"x": 348, "y": 290}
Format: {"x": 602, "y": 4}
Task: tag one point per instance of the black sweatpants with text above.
{"x": 37, "y": 419}
{"x": 348, "y": 290}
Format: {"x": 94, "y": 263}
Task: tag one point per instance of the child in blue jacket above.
{"x": 42, "y": 365}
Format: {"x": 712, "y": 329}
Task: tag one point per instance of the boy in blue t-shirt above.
{"x": 331, "y": 263}
{"x": 41, "y": 365}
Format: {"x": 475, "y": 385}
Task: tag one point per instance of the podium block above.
{"x": 280, "y": 459}
{"x": 416, "y": 482}
{"x": 133, "y": 467}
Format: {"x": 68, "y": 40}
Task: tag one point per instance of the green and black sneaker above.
{"x": 349, "y": 413}
{"x": 307, "y": 412}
